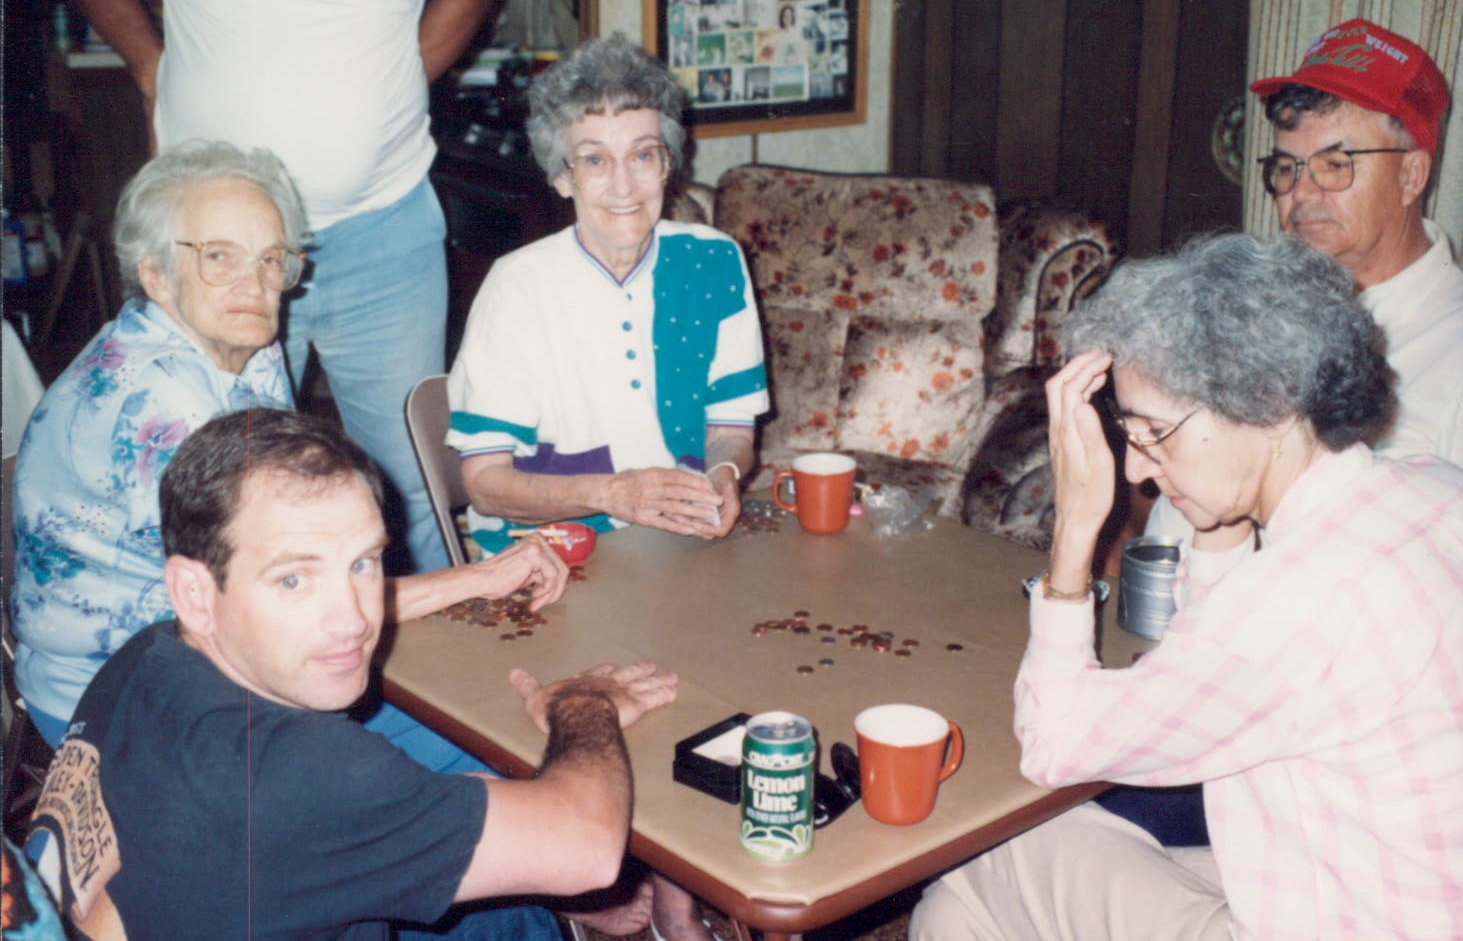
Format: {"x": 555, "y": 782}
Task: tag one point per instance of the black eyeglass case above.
{"x": 705, "y": 773}
{"x": 716, "y": 771}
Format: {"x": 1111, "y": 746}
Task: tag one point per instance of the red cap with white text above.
{"x": 1367, "y": 65}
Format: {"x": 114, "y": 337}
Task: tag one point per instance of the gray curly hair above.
{"x": 1255, "y": 331}
{"x": 601, "y": 76}
{"x": 147, "y": 211}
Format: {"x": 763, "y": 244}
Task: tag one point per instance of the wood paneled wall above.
{"x": 1107, "y": 106}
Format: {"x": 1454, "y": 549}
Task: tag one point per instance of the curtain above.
{"x": 1281, "y": 31}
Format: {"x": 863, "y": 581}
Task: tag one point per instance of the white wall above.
{"x": 862, "y": 148}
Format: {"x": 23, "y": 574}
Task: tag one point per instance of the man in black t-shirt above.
{"x": 208, "y": 784}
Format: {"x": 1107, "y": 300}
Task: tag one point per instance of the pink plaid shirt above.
{"x": 1315, "y": 687}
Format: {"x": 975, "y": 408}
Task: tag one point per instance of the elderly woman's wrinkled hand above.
{"x": 729, "y": 487}
{"x": 674, "y": 500}
{"x": 1083, "y": 467}
{"x": 529, "y": 563}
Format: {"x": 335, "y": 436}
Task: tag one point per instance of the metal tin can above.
{"x": 778, "y": 763}
{"x": 1145, "y": 589}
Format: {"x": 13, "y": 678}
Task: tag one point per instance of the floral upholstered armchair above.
{"x": 907, "y": 323}
{"x": 1050, "y": 259}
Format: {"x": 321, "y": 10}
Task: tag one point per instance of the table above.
{"x": 690, "y": 606}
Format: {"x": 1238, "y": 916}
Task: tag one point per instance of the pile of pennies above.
{"x": 491, "y": 612}
{"x": 857, "y": 636}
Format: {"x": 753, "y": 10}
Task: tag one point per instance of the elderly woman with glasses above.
{"x": 1314, "y": 687}
{"x": 207, "y": 238}
{"x": 610, "y": 373}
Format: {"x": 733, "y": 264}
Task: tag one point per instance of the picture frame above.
{"x": 758, "y": 66}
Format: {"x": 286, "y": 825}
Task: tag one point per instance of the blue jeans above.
{"x": 52, "y": 728}
{"x": 374, "y": 306}
{"x": 421, "y": 744}
{"x": 523, "y": 923}
{"x": 1174, "y": 815}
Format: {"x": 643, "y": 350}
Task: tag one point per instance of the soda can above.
{"x": 778, "y": 764}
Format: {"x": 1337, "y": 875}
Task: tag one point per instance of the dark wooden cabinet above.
{"x": 99, "y": 138}
{"x": 493, "y": 194}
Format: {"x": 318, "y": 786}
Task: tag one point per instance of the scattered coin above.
{"x": 859, "y": 635}
{"x": 760, "y": 516}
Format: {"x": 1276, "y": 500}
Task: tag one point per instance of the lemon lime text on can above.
{"x": 778, "y": 755}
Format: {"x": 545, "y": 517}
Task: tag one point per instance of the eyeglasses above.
{"x": 644, "y": 165}
{"x": 1332, "y": 169}
{"x": 1143, "y": 444}
{"x": 222, "y": 264}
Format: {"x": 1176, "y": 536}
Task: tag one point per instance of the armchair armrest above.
{"x": 690, "y": 202}
{"x": 1049, "y": 259}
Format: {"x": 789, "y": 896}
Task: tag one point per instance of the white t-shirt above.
{"x": 336, "y": 88}
{"x": 1421, "y": 310}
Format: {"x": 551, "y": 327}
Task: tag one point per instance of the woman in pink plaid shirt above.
{"x": 1314, "y": 687}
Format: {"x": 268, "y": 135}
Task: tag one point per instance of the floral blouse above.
{"x": 88, "y": 547}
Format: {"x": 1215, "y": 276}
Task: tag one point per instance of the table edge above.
{"x": 766, "y": 915}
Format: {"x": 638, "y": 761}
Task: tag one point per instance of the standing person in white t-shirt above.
{"x": 339, "y": 91}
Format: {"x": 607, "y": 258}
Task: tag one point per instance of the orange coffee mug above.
{"x": 902, "y": 760}
{"x": 822, "y": 490}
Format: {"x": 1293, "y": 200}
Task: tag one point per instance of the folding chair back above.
{"x": 427, "y": 418}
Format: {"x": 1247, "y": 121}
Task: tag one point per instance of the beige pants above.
{"x": 1083, "y": 876}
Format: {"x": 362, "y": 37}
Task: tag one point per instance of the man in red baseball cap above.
{"x": 1357, "y": 132}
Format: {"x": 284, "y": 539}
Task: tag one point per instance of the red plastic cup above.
{"x": 573, "y": 542}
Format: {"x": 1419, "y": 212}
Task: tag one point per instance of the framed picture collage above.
{"x": 795, "y": 61}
